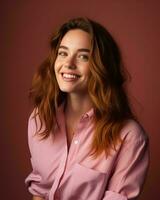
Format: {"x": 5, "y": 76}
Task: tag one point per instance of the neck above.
{"x": 78, "y": 105}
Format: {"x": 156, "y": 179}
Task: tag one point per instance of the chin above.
{"x": 67, "y": 90}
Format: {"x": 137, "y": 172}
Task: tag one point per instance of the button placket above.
{"x": 59, "y": 175}
{"x": 75, "y": 145}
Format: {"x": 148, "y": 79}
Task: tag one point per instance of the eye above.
{"x": 62, "y": 54}
{"x": 83, "y": 57}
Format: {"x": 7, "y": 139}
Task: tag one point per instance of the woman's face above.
{"x": 72, "y": 63}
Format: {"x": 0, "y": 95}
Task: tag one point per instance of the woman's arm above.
{"x": 130, "y": 168}
{"x": 37, "y": 198}
{"x": 34, "y": 179}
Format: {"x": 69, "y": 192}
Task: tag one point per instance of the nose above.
{"x": 70, "y": 62}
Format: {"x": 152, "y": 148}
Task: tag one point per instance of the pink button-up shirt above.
{"x": 62, "y": 174}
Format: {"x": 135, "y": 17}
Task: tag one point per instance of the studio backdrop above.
{"x": 26, "y": 27}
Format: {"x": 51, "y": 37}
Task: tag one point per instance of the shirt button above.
{"x": 76, "y": 142}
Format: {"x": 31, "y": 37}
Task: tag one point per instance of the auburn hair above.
{"x": 105, "y": 86}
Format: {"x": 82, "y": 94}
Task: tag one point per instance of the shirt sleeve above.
{"x": 130, "y": 168}
{"x": 34, "y": 179}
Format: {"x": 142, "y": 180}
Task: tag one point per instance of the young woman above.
{"x": 84, "y": 140}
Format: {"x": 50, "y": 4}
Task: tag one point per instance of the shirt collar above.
{"x": 87, "y": 115}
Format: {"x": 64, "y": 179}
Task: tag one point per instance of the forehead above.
{"x": 76, "y": 38}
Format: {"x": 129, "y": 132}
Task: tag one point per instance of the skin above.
{"x": 74, "y": 58}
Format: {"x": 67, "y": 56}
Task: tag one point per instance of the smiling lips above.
{"x": 70, "y": 77}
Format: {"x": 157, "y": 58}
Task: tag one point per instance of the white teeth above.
{"x": 70, "y": 76}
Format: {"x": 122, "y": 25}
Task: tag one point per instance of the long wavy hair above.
{"x": 105, "y": 87}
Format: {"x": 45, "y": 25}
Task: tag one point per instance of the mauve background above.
{"x": 26, "y": 27}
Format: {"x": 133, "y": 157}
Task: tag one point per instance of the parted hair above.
{"x": 106, "y": 87}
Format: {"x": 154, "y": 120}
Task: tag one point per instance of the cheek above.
{"x": 56, "y": 67}
{"x": 87, "y": 71}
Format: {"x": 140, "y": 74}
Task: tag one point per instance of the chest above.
{"x": 60, "y": 167}
{"x": 71, "y": 130}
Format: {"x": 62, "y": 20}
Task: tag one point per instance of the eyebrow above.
{"x": 80, "y": 50}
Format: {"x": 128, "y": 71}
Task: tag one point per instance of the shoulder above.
{"x": 133, "y": 132}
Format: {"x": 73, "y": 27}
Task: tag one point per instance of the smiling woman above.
{"x": 85, "y": 142}
{"x": 72, "y": 63}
